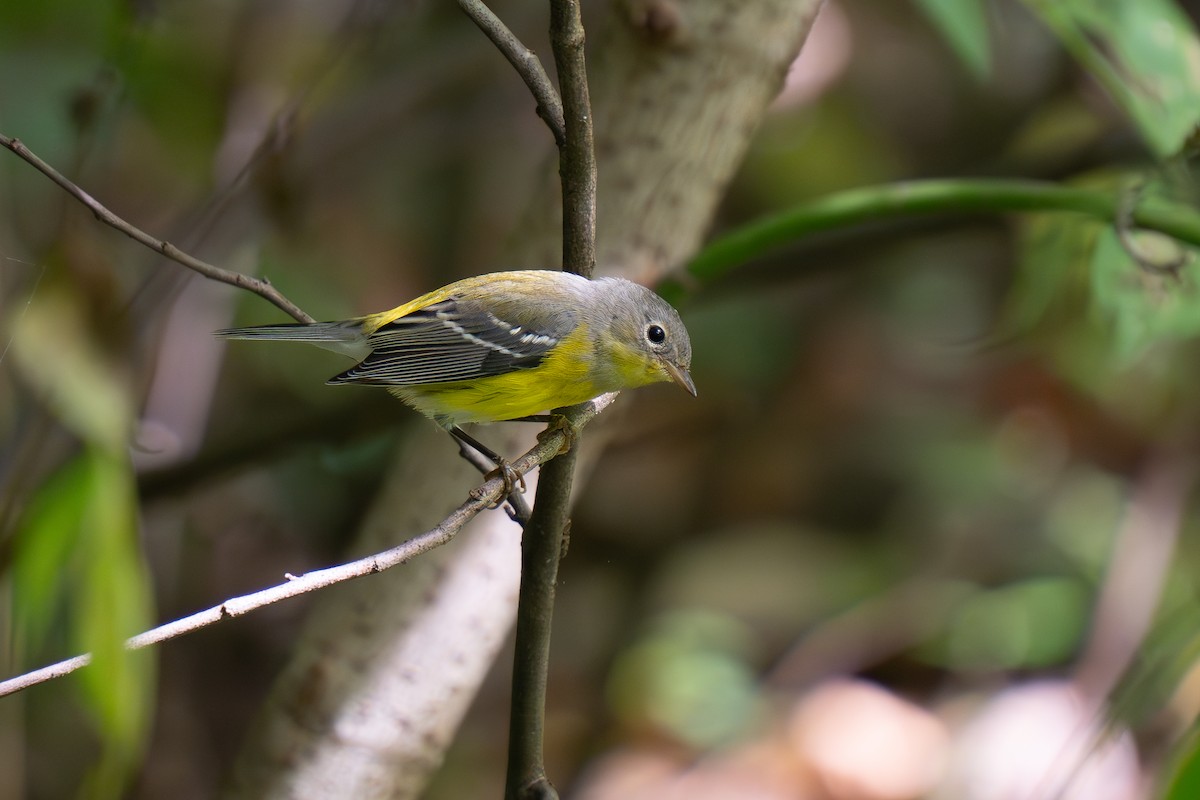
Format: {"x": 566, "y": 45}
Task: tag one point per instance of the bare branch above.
{"x": 541, "y": 550}
{"x": 525, "y": 62}
{"x": 577, "y": 156}
{"x": 259, "y": 286}
{"x": 482, "y": 497}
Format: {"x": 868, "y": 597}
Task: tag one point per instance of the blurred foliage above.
{"x": 690, "y": 677}
{"x": 964, "y": 24}
{"x": 1145, "y": 54}
{"x": 1185, "y": 782}
{"x": 917, "y": 437}
{"x": 1032, "y": 624}
{"x": 77, "y": 562}
{"x": 1117, "y": 307}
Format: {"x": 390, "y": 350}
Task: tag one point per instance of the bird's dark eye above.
{"x": 655, "y": 334}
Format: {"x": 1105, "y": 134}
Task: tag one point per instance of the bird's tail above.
{"x": 341, "y": 337}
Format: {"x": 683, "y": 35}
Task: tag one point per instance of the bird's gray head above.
{"x": 649, "y": 342}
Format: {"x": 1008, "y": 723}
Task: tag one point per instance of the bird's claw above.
{"x": 513, "y": 481}
{"x": 559, "y": 422}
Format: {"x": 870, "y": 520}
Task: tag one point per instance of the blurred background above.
{"x": 930, "y": 508}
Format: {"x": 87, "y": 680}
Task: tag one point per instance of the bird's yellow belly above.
{"x": 516, "y": 394}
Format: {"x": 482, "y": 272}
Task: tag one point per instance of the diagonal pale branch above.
{"x": 482, "y": 497}
{"x": 258, "y": 286}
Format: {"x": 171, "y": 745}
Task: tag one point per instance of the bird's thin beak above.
{"x": 680, "y": 376}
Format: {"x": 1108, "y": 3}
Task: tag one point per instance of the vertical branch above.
{"x": 577, "y": 156}
{"x": 541, "y": 544}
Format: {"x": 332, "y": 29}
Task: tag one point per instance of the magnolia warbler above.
{"x": 506, "y": 346}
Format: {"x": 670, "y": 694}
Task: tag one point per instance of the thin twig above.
{"x": 481, "y": 498}
{"x": 259, "y": 286}
{"x": 525, "y": 62}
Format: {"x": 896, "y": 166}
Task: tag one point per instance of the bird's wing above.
{"x": 455, "y": 340}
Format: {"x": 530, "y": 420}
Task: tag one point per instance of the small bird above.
{"x": 506, "y": 346}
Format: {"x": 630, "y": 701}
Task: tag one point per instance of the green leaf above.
{"x": 46, "y": 540}
{"x": 77, "y": 555}
{"x": 1114, "y": 325}
{"x": 963, "y": 23}
{"x": 1146, "y": 54}
{"x": 113, "y": 602}
{"x": 1145, "y": 307}
{"x": 1029, "y": 625}
{"x": 1184, "y": 782}
{"x": 1165, "y": 660}
{"x": 1052, "y": 281}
